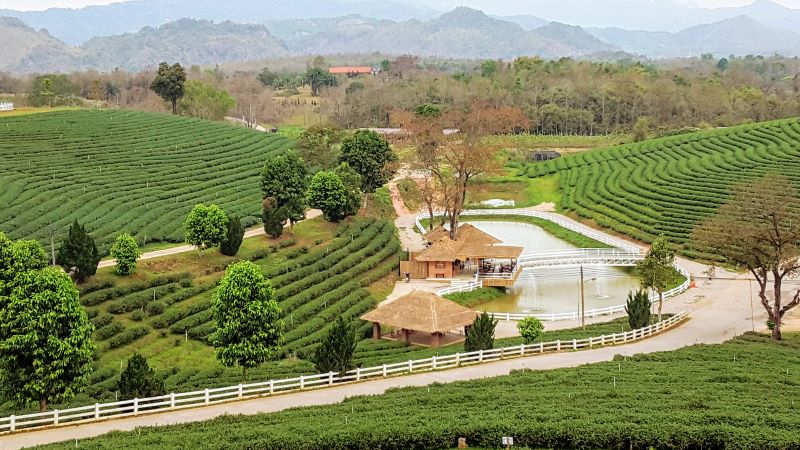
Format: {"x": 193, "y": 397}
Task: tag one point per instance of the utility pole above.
{"x": 52, "y": 248}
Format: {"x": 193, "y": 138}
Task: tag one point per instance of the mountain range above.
{"x": 460, "y": 33}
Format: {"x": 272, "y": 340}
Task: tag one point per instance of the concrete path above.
{"x": 311, "y": 214}
{"x": 719, "y": 310}
{"x": 242, "y": 121}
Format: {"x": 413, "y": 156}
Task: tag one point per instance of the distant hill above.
{"x": 461, "y": 33}
{"x": 187, "y": 41}
{"x": 76, "y": 26}
{"x": 740, "y": 35}
{"x": 28, "y": 50}
{"x": 527, "y": 22}
{"x": 575, "y": 37}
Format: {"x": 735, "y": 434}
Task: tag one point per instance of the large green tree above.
{"x": 335, "y": 353}
{"x": 206, "y": 226}
{"x": 352, "y": 184}
{"x": 78, "y": 254}
{"x": 328, "y": 194}
{"x": 249, "y": 329}
{"x": 657, "y": 269}
{"x": 138, "y": 380}
{"x": 273, "y": 217}
{"x": 285, "y": 179}
{"x": 46, "y": 348}
{"x": 204, "y": 101}
{"x": 317, "y": 78}
{"x": 371, "y": 156}
{"x": 169, "y": 83}
{"x": 52, "y": 90}
{"x": 126, "y": 251}
{"x": 319, "y": 147}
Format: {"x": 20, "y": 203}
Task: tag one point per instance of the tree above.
{"x": 318, "y": 146}
{"x": 328, "y": 194}
{"x": 138, "y": 380}
{"x": 249, "y": 329}
{"x": 46, "y": 348}
{"x": 757, "y": 229}
{"x": 273, "y": 217}
{"x": 233, "y": 239}
{"x": 371, "y": 156}
{"x": 206, "y": 226}
{"x": 723, "y": 64}
{"x": 488, "y": 68}
{"x": 126, "y": 251}
{"x": 17, "y": 257}
{"x": 285, "y": 178}
{"x": 480, "y": 335}
{"x": 335, "y": 353}
{"x": 51, "y": 90}
{"x": 78, "y": 254}
{"x": 640, "y": 129}
{"x": 657, "y": 269}
{"x": 267, "y": 77}
{"x": 530, "y": 328}
{"x": 638, "y": 309}
{"x": 169, "y": 83}
{"x": 203, "y": 101}
{"x": 352, "y": 184}
{"x": 317, "y": 78}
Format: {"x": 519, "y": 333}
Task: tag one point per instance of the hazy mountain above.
{"x": 527, "y": 22}
{"x": 461, "y": 33}
{"x": 75, "y": 26}
{"x": 187, "y": 41}
{"x": 740, "y": 35}
{"x": 575, "y": 37}
{"x": 28, "y": 50}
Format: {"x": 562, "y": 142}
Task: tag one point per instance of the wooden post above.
{"x": 376, "y": 330}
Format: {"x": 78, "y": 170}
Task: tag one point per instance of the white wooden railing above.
{"x": 6, "y": 106}
{"x": 206, "y": 397}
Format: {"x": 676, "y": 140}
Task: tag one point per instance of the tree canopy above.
{"x": 327, "y": 193}
{"x": 335, "y": 353}
{"x": 138, "y": 380}
{"x": 169, "y": 83}
{"x": 204, "y": 101}
{"x": 126, "y": 251}
{"x": 249, "y": 329}
{"x": 233, "y": 239}
{"x": 371, "y": 156}
{"x": 285, "y": 179}
{"x": 206, "y": 226}
{"x": 78, "y": 254}
{"x": 480, "y": 335}
{"x": 657, "y": 269}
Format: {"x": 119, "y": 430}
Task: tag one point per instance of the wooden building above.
{"x": 422, "y": 318}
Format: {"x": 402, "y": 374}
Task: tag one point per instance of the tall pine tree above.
{"x": 78, "y": 254}
{"x": 230, "y": 245}
{"x": 335, "y": 353}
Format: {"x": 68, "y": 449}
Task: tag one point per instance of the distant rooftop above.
{"x": 350, "y": 70}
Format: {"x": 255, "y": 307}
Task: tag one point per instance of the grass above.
{"x": 410, "y": 193}
{"x": 567, "y": 144}
{"x": 525, "y": 192}
{"x": 27, "y": 110}
{"x": 476, "y": 297}
{"x": 380, "y": 205}
{"x": 735, "y": 395}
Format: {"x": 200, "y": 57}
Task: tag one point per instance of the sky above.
{"x": 30, "y": 5}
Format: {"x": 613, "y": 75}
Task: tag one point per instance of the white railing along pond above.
{"x": 205, "y": 397}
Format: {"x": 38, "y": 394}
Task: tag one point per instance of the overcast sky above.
{"x": 44, "y": 4}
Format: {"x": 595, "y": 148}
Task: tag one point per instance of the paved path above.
{"x": 311, "y": 214}
{"x": 239, "y": 120}
{"x": 719, "y": 310}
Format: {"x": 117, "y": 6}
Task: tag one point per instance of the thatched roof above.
{"x": 422, "y": 311}
{"x": 468, "y": 251}
{"x": 466, "y": 233}
{"x": 445, "y": 249}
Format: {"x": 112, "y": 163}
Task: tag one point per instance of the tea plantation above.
{"x": 666, "y": 185}
{"x": 738, "y": 395}
{"x": 124, "y": 171}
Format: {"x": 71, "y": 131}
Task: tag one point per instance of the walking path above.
{"x": 719, "y": 310}
{"x": 310, "y": 214}
{"x": 239, "y": 120}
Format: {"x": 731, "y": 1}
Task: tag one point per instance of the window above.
{"x": 440, "y": 264}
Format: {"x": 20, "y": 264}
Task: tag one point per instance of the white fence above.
{"x": 173, "y": 401}
{"x": 6, "y": 106}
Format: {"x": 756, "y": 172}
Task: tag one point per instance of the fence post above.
{"x": 55, "y": 417}
{"x": 574, "y": 344}
{"x": 358, "y": 373}
{"x": 590, "y": 342}
{"x": 458, "y": 359}
{"x": 508, "y": 317}
{"x": 271, "y": 387}
{"x": 480, "y": 355}
{"x": 384, "y": 370}
{"x": 433, "y": 362}
{"x": 239, "y": 394}
{"x": 207, "y": 397}
{"x": 172, "y": 400}
{"x": 12, "y": 423}
{"x": 522, "y": 350}
{"x": 410, "y": 365}
{"x": 558, "y": 345}
{"x": 330, "y": 378}
{"x": 541, "y": 347}
{"x": 136, "y": 406}
{"x": 302, "y": 382}
{"x": 97, "y": 410}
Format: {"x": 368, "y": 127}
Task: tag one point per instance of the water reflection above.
{"x": 555, "y": 290}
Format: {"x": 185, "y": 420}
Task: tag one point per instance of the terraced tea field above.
{"x": 124, "y": 171}
{"x": 667, "y": 185}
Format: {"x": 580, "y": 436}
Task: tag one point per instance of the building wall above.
{"x": 440, "y": 269}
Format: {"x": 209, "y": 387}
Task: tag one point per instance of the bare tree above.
{"x": 759, "y": 229}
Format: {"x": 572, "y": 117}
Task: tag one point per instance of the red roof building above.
{"x": 351, "y": 70}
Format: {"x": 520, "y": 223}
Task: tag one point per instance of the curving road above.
{"x": 719, "y": 310}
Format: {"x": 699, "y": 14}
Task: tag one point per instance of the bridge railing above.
{"x": 206, "y": 397}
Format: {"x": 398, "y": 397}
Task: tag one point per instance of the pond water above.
{"x": 555, "y": 290}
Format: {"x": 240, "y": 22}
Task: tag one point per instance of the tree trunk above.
{"x": 43, "y": 404}
{"x": 777, "y": 317}
{"x": 244, "y": 374}
{"x": 175, "y": 106}
{"x": 660, "y": 304}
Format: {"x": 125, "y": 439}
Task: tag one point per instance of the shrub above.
{"x": 638, "y": 309}
{"x": 530, "y": 328}
{"x": 233, "y": 240}
{"x": 138, "y": 380}
{"x": 127, "y": 337}
{"x": 335, "y": 354}
{"x": 126, "y": 251}
{"x": 480, "y": 335}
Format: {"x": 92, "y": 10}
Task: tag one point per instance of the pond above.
{"x": 555, "y": 290}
